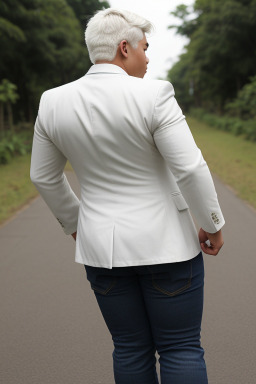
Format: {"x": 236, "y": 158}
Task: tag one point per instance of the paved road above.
{"x": 51, "y": 331}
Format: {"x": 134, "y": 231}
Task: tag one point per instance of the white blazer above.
{"x": 139, "y": 169}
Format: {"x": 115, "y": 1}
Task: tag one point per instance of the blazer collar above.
{"x": 106, "y": 68}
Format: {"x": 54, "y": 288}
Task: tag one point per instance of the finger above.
{"x": 209, "y": 250}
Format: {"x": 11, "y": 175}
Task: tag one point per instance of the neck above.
{"x": 117, "y": 62}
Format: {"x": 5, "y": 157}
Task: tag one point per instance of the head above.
{"x": 118, "y": 37}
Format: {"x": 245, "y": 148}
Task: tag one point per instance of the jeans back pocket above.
{"x": 173, "y": 279}
{"x": 100, "y": 282}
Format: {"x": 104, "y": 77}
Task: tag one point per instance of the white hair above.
{"x": 107, "y": 28}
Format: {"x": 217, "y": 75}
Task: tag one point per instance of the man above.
{"x": 140, "y": 173}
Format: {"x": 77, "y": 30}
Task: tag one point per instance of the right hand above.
{"x": 215, "y": 239}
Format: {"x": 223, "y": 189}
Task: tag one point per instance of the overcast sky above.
{"x": 165, "y": 45}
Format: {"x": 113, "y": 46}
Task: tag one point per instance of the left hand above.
{"x": 215, "y": 242}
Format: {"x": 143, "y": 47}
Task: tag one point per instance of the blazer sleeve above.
{"x": 47, "y": 174}
{"x": 175, "y": 142}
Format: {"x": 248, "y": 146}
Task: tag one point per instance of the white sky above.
{"x": 165, "y": 46}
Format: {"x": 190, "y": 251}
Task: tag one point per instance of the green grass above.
{"x": 231, "y": 158}
{"x": 16, "y": 188}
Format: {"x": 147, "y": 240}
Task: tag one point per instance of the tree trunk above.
{"x": 31, "y": 117}
{"x": 238, "y": 84}
{"x": 10, "y": 117}
{"x": 1, "y": 117}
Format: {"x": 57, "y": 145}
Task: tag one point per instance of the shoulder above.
{"x": 61, "y": 90}
{"x": 151, "y": 89}
{"x": 148, "y": 83}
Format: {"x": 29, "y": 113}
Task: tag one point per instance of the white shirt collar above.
{"x": 106, "y": 68}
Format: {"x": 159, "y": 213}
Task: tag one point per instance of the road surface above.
{"x": 51, "y": 331}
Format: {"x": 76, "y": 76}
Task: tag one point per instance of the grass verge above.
{"x": 231, "y": 158}
{"x": 16, "y": 188}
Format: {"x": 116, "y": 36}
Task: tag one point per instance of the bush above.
{"x": 226, "y": 123}
{"x": 250, "y": 130}
{"x": 17, "y": 144}
{"x": 244, "y": 106}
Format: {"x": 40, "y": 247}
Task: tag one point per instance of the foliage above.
{"x": 43, "y": 46}
{"x": 8, "y": 96}
{"x": 12, "y": 145}
{"x": 8, "y": 92}
{"x": 187, "y": 25}
{"x": 244, "y": 106}
{"x": 12, "y": 31}
{"x": 221, "y": 54}
{"x": 85, "y": 9}
{"x": 235, "y": 125}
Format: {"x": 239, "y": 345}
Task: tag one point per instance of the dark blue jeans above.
{"x": 154, "y": 308}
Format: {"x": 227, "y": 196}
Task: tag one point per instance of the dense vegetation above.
{"x": 217, "y": 71}
{"x": 42, "y": 46}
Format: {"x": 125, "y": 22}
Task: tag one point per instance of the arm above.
{"x": 47, "y": 167}
{"x": 176, "y": 144}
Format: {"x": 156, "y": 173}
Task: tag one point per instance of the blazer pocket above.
{"x": 179, "y": 201}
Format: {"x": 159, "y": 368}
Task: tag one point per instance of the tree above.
{"x": 8, "y": 96}
{"x": 85, "y": 9}
{"x": 43, "y": 45}
{"x": 244, "y": 105}
{"x": 7, "y": 28}
{"x": 221, "y": 54}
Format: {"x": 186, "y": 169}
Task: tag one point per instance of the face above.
{"x": 137, "y": 61}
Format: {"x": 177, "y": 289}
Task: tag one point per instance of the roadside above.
{"x": 231, "y": 158}
{"x": 16, "y": 188}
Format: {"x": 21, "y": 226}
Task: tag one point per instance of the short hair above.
{"x": 108, "y": 27}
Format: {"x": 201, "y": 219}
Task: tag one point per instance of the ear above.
{"x": 123, "y": 48}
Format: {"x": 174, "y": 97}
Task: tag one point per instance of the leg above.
{"x": 174, "y": 301}
{"x": 122, "y": 306}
